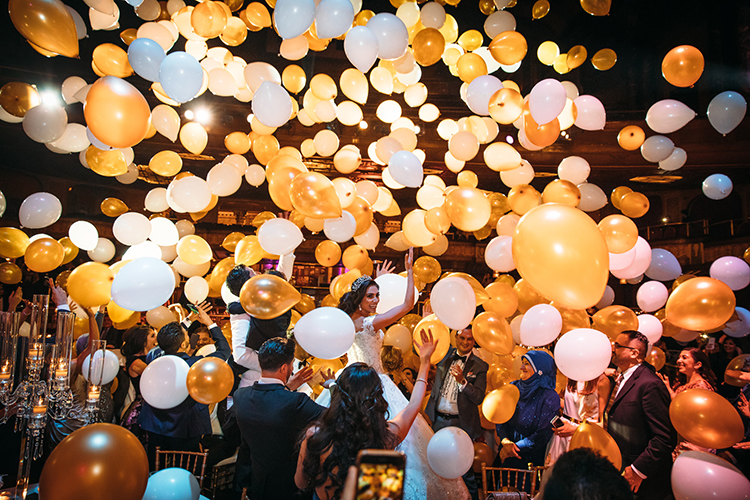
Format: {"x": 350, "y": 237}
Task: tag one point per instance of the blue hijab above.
{"x": 544, "y": 374}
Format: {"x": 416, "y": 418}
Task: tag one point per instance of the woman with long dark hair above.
{"x": 137, "y": 342}
{"x": 357, "y": 419}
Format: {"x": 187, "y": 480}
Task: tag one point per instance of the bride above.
{"x": 361, "y": 304}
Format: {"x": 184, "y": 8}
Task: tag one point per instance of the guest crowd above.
{"x": 294, "y": 427}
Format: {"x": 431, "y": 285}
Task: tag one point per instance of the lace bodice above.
{"x": 367, "y": 345}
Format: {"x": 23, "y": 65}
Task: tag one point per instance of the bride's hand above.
{"x": 428, "y": 347}
{"x": 409, "y": 259}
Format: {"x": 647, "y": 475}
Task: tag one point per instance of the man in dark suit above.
{"x": 638, "y": 412}
{"x": 458, "y": 390}
{"x": 180, "y": 428}
{"x": 271, "y": 419}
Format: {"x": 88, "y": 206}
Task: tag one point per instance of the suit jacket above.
{"x": 189, "y": 419}
{"x": 640, "y": 425}
{"x": 271, "y": 420}
{"x": 475, "y": 372}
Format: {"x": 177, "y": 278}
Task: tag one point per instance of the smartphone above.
{"x": 711, "y": 344}
{"x": 192, "y": 308}
{"x": 556, "y": 422}
{"x": 380, "y": 475}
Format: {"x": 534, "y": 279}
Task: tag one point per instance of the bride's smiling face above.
{"x": 370, "y": 302}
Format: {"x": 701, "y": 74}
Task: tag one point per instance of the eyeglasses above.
{"x": 618, "y": 346}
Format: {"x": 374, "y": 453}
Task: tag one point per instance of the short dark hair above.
{"x": 583, "y": 474}
{"x": 170, "y": 337}
{"x": 237, "y": 277}
{"x": 277, "y": 273}
{"x": 641, "y": 339}
{"x": 275, "y": 353}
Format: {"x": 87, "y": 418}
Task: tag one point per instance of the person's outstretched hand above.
{"x": 429, "y": 344}
{"x": 59, "y": 297}
{"x": 385, "y": 267}
{"x": 409, "y": 259}
{"x": 302, "y": 376}
{"x": 203, "y": 316}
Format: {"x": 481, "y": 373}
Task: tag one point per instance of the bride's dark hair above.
{"x": 351, "y": 300}
{"x": 356, "y": 420}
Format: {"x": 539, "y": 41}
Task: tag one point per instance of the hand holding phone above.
{"x": 380, "y": 475}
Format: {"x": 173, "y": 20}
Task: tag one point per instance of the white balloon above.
{"x": 651, "y": 327}
{"x": 272, "y": 105}
{"x": 674, "y": 161}
{"x": 732, "y": 271}
{"x": 164, "y": 382}
{"x": 668, "y": 115}
{"x": 73, "y": 140}
{"x": 84, "y": 235}
{"x": 392, "y": 35}
{"x": 583, "y": 354}
{"x": 726, "y": 111}
{"x": 499, "y": 255}
{"x": 591, "y": 113}
{"x": 131, "y": 228}
{"x": 652, "y": 296}
{"x": 145, "y": 249}
{"x": 438, "y": 248}
{"x": 697, "y": 475}
{"x": 104, "y": 251}
{"x": 340, "y": 229}
{"x": 450, "y": 452}
{"x": 608, "y": 298}
{"x": 196, "y": 289}
{"x": 39, "y": 210}
{"x": 333, "y": 18}
{"x": 104, "y": 369}
{"x": 479, "y": 92}
{"x": 130, "y": 176}
{"x": 392, "y": 292}
{"x": 293, "y": 17}
{"x": 640, "y": 262}
{"x": 255, "y": 175}
{"x": 547, "y": 100}
{"x": 189, "y": 270}
{"x": 453, "y": 302}
{"x": 184, "y": 227}
{"x": 224, "y": 179}
{"x": 506, "y": 225}
{"x": 740, "y": 327}
{"x": 541, "y": 325}
{"x": 717, "y": 186}
{"x": 619, "y": 261}
{"x": 143, "y": 284}
{"x": 279, "y": 236}
{"x": 574, "y": 169}
{"x": 592, "y": 197}
{"x": 191, "y": 193}
{"x": 499, "y": 21}
{"x": 70, "y": 86}
{"x": 406, "y": 169}
{"x": 432, "y": 15}
{"x": 325, "y": 332}
{"x": 657, "y": 148}
{"x": 521, "y": 175}
{"x": 156, "y": 200}
{"x": 45, "y": 122}
{"x": 664, "y": 265}
{"x": 370, "y": 238}
{"x": 361, "y": 48}
{"x": 163, "y": 232}
{"x": 168, "y": 254}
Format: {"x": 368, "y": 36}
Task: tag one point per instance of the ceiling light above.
{"x": 51, "y": 97}
{"x": 202, "y": 116}
{"x": 363, "y": 124}
{"x": 189, "y": 114}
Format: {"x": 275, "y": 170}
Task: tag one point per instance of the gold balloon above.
{"x": 119, "y": 314}
{"x": 194, "y": 137}
{"x": 17, "y": 98}
{"x": 470, "y": 66}
{"x": 576, "y": 56}
{"x": 527, "y": 296}
{"x": 631, "y": 137}
{"x": 89, "y": 284}
{"x": 467, "y": 178}
{"x": 468, "y": 208}
{"x": 328, "y": 253}
{"x": 562, "y": 254}
{"x": 483, "y": 454}
{"x": 210, "y": 380}
{"x": 111, "y": 60}
{"x": 109, "y": 163}
{"x": 314, "y": 195}
{"x": 736, "y": 365}
{"x": 267, "y": 296}
{"x": 128, "y": 36}
{"x": 428, "y": 46}
{"x": 427, "y": 269}
{"x": 410, "y": 321}
{"x": 634, "y": 205}
{"x": 294, "y": 79}
{"x": 508, "y": 47}
{"x": 258, "y": 15}
{"x": 262, "y": 218}
{"x": 604, "y": 59}
{"x": 597, "y": 8}
{"x": 219, "y": 273}
{"x": 165, "y": 163}
{"x": 619, "y": 232}
{"x": 700, "y": 304}
{"x": 194, "y": 250}
{"x": 44, "y": 255}
{"x": 562, "y": 191}
{"x": 355, "y": 257}
{"x": 506, "y": 106}
{"x": 329, "y": 301}
{"x": 116, "y": 112}
{"x": 589, "y": 435}
{"x": 540, "y": 9}
{"x": 479, "y": 292}
{"x": 47, "y": 24}
{"x": 613, "y": 320}
{"x": 231, "y": 240}
{"x": 617, "y": 195}
{"x": 208, "y": 19}
{"x": 305, "y": 304}
{"x": 683, "y": 66}
{"x": 499, "y": 405}
{"x": 493, "y": 333}
{"x": 656, "y": 358}
{"x": 440, "y": 333}
{"x": 10, "y": 274}
{"x": 113, "y": 207}
{"x": 436, "y": 220}
{"x": 90, "y": 463}
{"x": 499, "y": 375}
{"x": 343, "y": 283}
{"x": 71, "y": 251}
{"x": 248, "y": 251}
{"x": 362, "y": 213}
{"x": 13, "y": 242}
{"x": 573, "y": 318}
{"x": 523, "y": 198}
{"x": 503, "y": 299}
{"x": 706, "y": 419}
{"x": 237, "y": 143}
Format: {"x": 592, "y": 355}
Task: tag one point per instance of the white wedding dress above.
{"x": 421, "y": 482}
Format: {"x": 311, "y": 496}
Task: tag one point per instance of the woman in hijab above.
{"x": 525, "y": 436}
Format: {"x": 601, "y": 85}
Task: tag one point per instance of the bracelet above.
{"x": 421, "y": 380}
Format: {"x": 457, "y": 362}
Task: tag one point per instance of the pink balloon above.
{"x": 547, "y": 100}
{"x": 541, "y": 325}
{"x": 591, "y": 113}
{"x": 664, "y": 265}
{"x": 697, "y": 474}
{"x": 733, "y": 271}
{"x": 640, "y": 263}
{"x": 620, "y": 261}
{"x": 652, "y": 296}
{"x": 650, "y": 326}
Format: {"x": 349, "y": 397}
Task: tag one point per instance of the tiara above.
{"x": 360, "y": 281}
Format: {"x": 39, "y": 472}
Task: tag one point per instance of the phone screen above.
{"x": 380, "y": 475}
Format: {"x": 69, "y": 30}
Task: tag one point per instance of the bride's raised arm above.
{"x": 381, "y": 321}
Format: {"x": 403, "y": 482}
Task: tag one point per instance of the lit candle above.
{"x": 35, "y": 351}
{"x": 62, "y": 370}
{"x": 5, "y": 371}
{"x": 40, "y": 408}
{"x": 94, "y": 393}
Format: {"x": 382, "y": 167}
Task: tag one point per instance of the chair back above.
{"x": 192, "y": 461}
{"x": 499, "y": 479}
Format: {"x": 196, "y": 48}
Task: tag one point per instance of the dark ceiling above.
{"x": 641, "y": 32}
